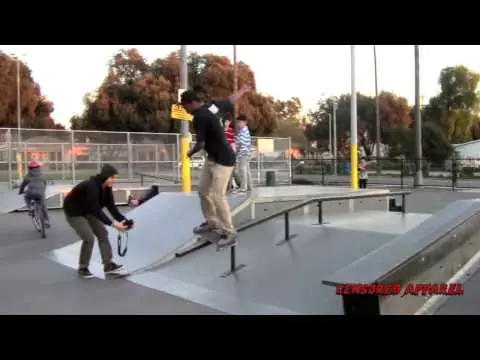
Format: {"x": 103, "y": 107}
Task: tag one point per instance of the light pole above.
{"x": 353, "y": 123}
{"x": 335, "y": 138}
{"x": 329, "y": 133}
{"x": 184, "y": 137}
{"x": 235, "y": 86}
{"x": 418, "y": 121}
{"x": 377, "y": 112}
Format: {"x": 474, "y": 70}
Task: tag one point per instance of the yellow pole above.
{"x": 185, "y": 134}
{"x": 184, "y": 147}
{"x": 19, "y": 166}
{"x": 354, "y": 165}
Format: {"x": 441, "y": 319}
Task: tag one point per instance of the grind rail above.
{"x": 286, "y": 214}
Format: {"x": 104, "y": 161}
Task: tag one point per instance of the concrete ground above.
{"x": 32, "y": 284}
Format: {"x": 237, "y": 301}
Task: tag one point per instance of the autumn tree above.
{"x": 455, "y": 109}
{"x": 394, "y": 113}
{"x": 290, "y": 122}
{"x": 137, "y": 96}
{"x": 35, "y": 109}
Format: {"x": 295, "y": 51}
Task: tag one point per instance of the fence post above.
{"x": 10, "y": 174}
{"x": 454, "y": 172}
{"x": 73, "y": 156}
{"x": 130, "y": 157}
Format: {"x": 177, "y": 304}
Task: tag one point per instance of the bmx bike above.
{"x": 35, "y": 211}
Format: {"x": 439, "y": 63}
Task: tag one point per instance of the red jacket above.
{"x": 230, "y": 135}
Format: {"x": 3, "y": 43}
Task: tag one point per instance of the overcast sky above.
{"x": 310, "y": 72}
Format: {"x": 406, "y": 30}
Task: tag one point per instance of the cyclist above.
{"x": 36, "y": 185}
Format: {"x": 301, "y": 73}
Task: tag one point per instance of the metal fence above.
{"x": 69, "y": 156}
{"x": 452, "y": 173}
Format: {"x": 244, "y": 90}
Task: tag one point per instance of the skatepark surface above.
{"x": 270, "y": 283}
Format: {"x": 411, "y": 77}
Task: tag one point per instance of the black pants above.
{"x": 362, "y": 183}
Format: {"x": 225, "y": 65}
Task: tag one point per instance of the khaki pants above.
{"x": 87, "y": 228}
{"x": 213, "y": 186}
{"x": 243, "y": 169}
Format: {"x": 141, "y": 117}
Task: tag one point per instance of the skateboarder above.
{"x": 219, "y": 165}
{"x": 83, "y": 211}
{"x": 36, "y": 185}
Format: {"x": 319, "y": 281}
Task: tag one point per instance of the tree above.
{"x": 394, "y": 113}
{"x": 455, "y": 109}
{"x": 435, "y": 146}
{"x": 35, "y": 109}
{"x": 137, "y": 96}
{"x": 290, "y": 123}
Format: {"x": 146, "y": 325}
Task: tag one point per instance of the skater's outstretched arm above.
{"x": 237, "y": 95}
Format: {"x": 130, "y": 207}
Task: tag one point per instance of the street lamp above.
{"x": 235, "y": 87}
{"x": 353, "y": 123}
{"x": 377, "y": 111}
{"x": 185, "y": 131}
{"x": 418, "y": 181}
{"x": 335, "y": 138}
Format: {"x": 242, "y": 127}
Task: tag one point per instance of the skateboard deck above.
{"x": 213, "y": 238}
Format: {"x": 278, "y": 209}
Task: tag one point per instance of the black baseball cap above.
{"x": 242, "y": 118}
{"x": 189, "y": 96}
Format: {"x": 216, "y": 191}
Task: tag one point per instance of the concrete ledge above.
{"x": 437, "y": 243}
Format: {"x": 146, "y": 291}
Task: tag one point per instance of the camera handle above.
{"x": 121, "y": 252}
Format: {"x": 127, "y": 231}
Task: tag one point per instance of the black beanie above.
{"x": 107, "y": 171}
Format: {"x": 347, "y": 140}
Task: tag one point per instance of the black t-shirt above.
{"x": 209, "y": 129}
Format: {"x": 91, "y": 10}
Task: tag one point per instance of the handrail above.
{"x": 142, "y": 175}
{"x": 286, "y": 213}
{"x": 321, "y": 200}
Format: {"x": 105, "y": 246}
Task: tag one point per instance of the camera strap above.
{"x": 121, "y": 252}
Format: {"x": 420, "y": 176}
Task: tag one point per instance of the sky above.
{"x": 311, "y": 72}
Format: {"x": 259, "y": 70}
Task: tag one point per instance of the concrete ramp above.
{"x": 162, "y": 225}
{"x": 10, "y": 200}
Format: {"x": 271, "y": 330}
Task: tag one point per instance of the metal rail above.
{"x": 286, "y": 213}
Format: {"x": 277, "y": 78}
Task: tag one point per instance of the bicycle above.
{"x": 38, "y": 219}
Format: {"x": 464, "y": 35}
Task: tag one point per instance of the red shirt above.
{"x": 230, "y": 135}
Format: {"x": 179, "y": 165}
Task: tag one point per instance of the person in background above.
{"x": 36, "y": 186}
{"x": 83, "y": 211}
{"x": 154, "y": 191}
{"x": 362, "y": 173}
{"x": 243, "y": 144}
{"x": 230, "y": 136}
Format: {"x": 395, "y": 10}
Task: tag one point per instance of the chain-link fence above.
{"x": 72, "y": 155}
{"x": 452, "y": 173}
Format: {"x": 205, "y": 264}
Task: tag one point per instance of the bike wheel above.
{"x": 41, "y": 220}
{"x": 36, "y": 220}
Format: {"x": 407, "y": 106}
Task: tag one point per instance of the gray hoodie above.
{"x": 35, "y": 181}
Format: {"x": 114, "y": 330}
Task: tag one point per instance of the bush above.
{"x": 468, "y": 170}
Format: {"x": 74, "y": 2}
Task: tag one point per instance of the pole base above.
{"x": 284, "y": 241}
{"x": 230, "y": 272}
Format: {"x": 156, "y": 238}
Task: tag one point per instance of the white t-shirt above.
{"x": 363, "y": 174}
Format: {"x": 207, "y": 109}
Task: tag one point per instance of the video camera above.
{"x": 128, "y": 224}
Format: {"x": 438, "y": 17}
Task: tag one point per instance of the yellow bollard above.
{"x": 184, "y": 147}
{"x": 19, "y": 166}
{"x": 354, "y": 166}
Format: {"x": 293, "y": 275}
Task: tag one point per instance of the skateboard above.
{"x": 213, "y": 238}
